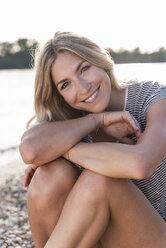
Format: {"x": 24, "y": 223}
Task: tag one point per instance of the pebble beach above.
{"x": 14, "y": 226}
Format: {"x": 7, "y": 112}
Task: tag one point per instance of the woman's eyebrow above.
{"x": 77, "y": 69}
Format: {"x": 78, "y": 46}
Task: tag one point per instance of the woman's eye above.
{"x": 64, "y": 85}
{"x": 85, "y": 68}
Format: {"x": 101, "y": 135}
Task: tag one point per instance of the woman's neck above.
{"x": 117, "y": 100}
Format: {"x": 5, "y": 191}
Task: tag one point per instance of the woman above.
{"x": 119, "y": 199}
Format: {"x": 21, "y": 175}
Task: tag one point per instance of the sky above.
{"x": 117, "y": 24}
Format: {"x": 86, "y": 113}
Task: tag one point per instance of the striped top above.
{"x": 139, "y": 98}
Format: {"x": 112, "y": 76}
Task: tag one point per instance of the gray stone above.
{"x": 14, "y": 225}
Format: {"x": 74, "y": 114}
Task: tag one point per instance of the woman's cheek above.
{"x": 69, "y": 99}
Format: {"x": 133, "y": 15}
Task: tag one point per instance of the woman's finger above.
{"x": 129, "y": 119}
{"x": 134, "y": 123}
{"x": 127, "y": 140}
{"x": 26, "y": 176}
{"x": 29, "y": 172}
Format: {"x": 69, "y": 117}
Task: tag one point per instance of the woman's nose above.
{"x": 83, "y": 86}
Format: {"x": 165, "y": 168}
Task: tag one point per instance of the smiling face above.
{"x": 82, "y": 85}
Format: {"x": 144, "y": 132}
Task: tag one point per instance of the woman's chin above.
{"x": 94, "y": 108}
{"x": 99, "y": 109}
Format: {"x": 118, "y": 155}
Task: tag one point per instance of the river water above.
{"x": 16, "y": 101}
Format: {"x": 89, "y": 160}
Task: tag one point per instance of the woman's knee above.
{"x": 91, "y": 187}
{"x": 99, "y": 187}
{"x": 52, "y": 181}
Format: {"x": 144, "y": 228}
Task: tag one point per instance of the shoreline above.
{"x": 14, "y": 225}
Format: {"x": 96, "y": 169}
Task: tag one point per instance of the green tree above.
{"x": 17, "y": 55}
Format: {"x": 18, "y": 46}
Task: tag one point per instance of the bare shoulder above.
{"x": 157, "y": 112}
{"x": 156, "y": 122}
{"x": 153, "y": 140}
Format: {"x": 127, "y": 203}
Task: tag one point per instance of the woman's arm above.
{"x": 47, "y": 141}
{"x": 127, "y": 161}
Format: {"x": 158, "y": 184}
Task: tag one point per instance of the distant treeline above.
{"x": 17, "y": 55}
{"x": 135, "y": 56}
{"x": 20, "y": 54}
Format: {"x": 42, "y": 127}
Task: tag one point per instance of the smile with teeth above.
{"x": 92, "y": 97}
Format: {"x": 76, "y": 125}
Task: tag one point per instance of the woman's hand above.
{"x": 29, "y": 174}
{"x": 119, "y": 125}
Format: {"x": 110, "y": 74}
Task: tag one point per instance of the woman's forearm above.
{"x": 48, "y": 141}
{"x": 109, "y": 159}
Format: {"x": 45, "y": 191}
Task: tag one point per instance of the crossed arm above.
{"x": 129, "y": 160}
{"x": 123, "y": 160}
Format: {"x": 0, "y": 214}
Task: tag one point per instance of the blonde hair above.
{"x": 49, "y": 104}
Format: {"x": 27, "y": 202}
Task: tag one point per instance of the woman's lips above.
{"x": 93, "y": 97}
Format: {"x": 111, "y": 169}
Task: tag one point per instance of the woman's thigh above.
{"x": 134, "y": 222}
{"x": 47, "y": 194}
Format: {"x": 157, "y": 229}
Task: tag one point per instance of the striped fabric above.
{"x": 139, "y": 98}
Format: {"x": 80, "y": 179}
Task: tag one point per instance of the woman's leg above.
{"x": 111, "y": 210}
{"x": 47, "y": 193}
{"x": 134, "y": 222}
